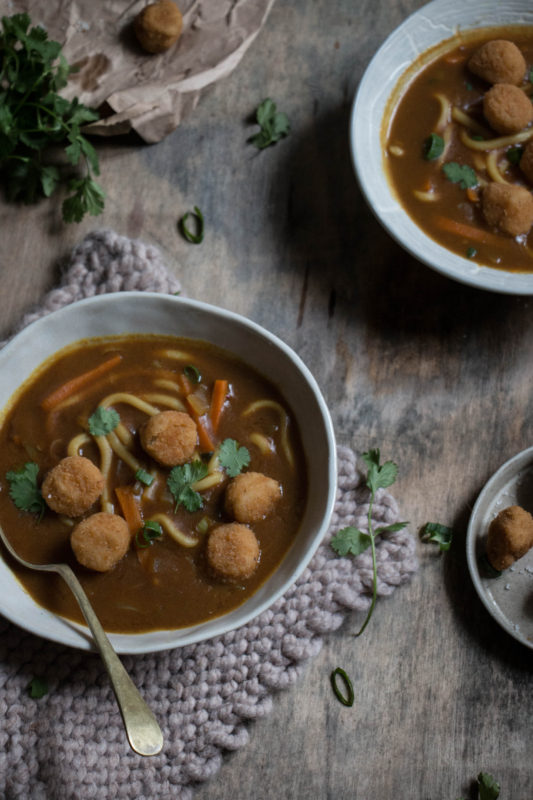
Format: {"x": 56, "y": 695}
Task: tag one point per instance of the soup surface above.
{"x": 164, "y": 581}
{"x": 441, "y": 154}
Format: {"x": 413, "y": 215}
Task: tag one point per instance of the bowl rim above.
{"x": 439, "y": 20}
{"x": 71, "y": 634}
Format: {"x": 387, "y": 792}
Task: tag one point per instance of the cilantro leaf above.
{"x": 232, "y": 457}
{"x": 88, "y": 198}
{"x": 350, "y": 541}
{"x": 379, "y": 476}
{"x": 24, "y": 491}
{"x": 274, "y": 125}
{"x": 180, "y": 482}
{"x": 437, "y": 533}
{"x": 489, "y": 789}
{"x": 38, "y": 687}
{"x": 103, "y": 421}
{"x": 462, "y": 174}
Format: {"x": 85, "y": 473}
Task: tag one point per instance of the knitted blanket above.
{"x": 70, "y": 744}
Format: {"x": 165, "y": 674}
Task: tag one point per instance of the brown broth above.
{"x": 414, "y": 119}
{"x": 174, "y": 588}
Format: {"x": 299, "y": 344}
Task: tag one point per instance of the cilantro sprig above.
{"x": 180, "y": 482}
{"x": 233, "y": 458}
{"x": 24, "y": 490}
{"x": 34, "y": 118}
{"x": 274, "y": 125}
{"x": 351, "y": 540}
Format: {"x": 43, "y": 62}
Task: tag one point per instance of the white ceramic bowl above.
{"x": 426, "y": 28}
{"x": 142, "y": 312}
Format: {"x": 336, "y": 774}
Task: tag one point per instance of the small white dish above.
{"x": 508, "y": 597}
{"x": 144, "y": 312}
{"x": 433, "y": 23}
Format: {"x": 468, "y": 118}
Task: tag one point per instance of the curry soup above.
{"x": 441, "y": 191}
{"x": 163, "y": 581}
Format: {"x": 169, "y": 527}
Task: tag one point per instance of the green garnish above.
{"x": 486, "y": 568}
{"x": 274, "y": 125}
{"x": 203, "y": 525}
{"x": 471, "y": 252}
{"x": 530, "y": 75}
{"x": 150, "y": 530}
{"x": 34, "y": 119}
{"x": 24, "y": 491}
{"x": 437, "y": 533}
{"x": 433, "y": 147}
{"x": 180, "y": 481}
{"x": 352, "y": 541}
{"x": 103, "y": 421}
{"x": 469, "y": 86}
{"x": 232, "y": 457}
{"x": 37, "y": 688}
{"x": 348, "y": 698}
{"x": 462, "y": 174}
{"x": 514, "y": 154}
{"x": 192, "y": 373}
{"x": 144, "y": 477}
{"x": 195, "y": 238}
{"x": 489, "y": 788}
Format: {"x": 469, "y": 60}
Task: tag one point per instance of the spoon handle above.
{"x": 142, "y": 728}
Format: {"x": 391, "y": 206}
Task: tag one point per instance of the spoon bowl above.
{"x": 142, "y": 729}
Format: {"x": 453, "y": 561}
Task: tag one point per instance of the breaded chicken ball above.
{"x": 100, "y": 541}
{"x": 507, "y": 108}
{"x": 233, "y": 551}
{"x": 250, "y": 496}
{"x": 508, "y": 207}
{"x": 158, "y": 26}
{"x": 499, "y": 61}
{"x": 72, "y": 486}
{"x": 510, "y": 536}
{"x": 526, "y": 162}
{"x": 170, "y": 437}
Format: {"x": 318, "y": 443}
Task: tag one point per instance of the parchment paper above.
{"x": 150, "y": 94}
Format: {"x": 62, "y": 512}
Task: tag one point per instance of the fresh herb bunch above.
{"x": 352, "y": 541}
{"x": 34, "y": 118}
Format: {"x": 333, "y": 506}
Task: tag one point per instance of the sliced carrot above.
{"x": 220, "y": 392}
{"x": 70, "y": 387}
{"x": 184, "y": 384}
{"x": 467, "y": 231}
{"x": 472, "y": 195}
{"x": 130, "y": 508}
{"x": 205, "y": 439}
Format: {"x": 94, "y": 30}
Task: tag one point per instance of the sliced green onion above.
{"x": 151, "y": 530}
{"x": 203, "y": 525}
{"x": 346, "y": 699}
{"x": 192, "y": 373}
{"x": 514, "y": 154}
{"x": 144, "y": 477}
{"x": 197, "y": 237}
{"x": 433, "y": 147}
{"x": 471, "y": 252}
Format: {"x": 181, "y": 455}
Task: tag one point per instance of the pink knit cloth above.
{"x": 70, "y": 744}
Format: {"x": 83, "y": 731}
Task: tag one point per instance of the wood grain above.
{"x": 434, "y": 373}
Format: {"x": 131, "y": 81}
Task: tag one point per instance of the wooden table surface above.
{"x": 434, "y": 373}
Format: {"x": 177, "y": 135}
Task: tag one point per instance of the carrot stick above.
{"x": 129, "y": 508}
{"x": 70, "y": 387}
{"x": 204, "y": 436}
{"x": 220, "y": 392}
{"x": 461, "y": 229}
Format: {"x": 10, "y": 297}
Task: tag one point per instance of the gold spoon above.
{"x": 142, "y": 729}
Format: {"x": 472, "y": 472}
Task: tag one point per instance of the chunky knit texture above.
{"x": 70, "y": 744}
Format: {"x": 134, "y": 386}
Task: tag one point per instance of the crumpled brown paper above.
{"x": 150, "y": 94}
